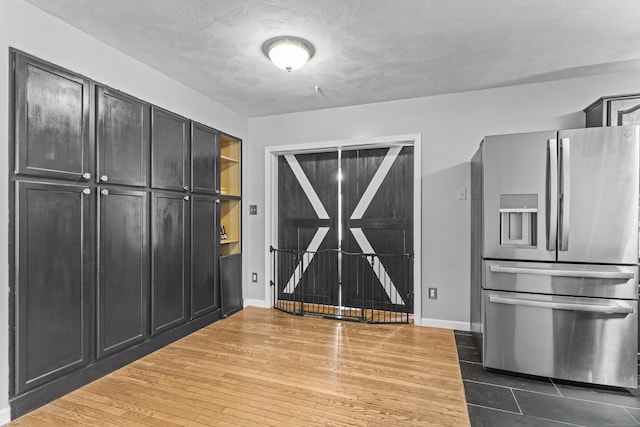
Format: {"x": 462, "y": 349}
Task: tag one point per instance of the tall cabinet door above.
{"x": 123, "y": 266}
{"x": 51, "y": 121}
{"x": 598, "y": 195}
{"x": 169, "y": 258}
{"x": 205, "y": 293}
{"x": 122, "y": 138}
{"x": 204, "y": 163}
{"x": 53, "y": 275}
{"x": 170, "y": 136}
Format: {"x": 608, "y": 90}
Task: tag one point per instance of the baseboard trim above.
{"x": 5, "y": 415}
{"x": 446, "y": 324}
{"x": 256, "y": 303}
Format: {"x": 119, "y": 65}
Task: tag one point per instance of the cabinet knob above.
{"x": 186, "y": 197}
{"x": 86, "y": 176}
{"x": 104, "y": 178}
{"x": 86, "y": 191}
{"x": 217, "y": 191}
{"x": 217, "y": 200}
{"x": 104, "y": 192}
{"x": 186, "y": 188}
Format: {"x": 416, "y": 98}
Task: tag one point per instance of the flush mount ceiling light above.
{"x": 288, "y": 53}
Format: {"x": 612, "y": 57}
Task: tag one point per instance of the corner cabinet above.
{"x": 230, "y": 224}
{"x": 117, "y": 211}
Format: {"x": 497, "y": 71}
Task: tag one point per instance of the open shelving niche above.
{"x": 230, "y": 192}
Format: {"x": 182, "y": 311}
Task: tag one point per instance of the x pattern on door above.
{"x": 357, "y": 232}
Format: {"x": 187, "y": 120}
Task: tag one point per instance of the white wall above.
{"x": 452, "y": 127}
{"x": 25, "y": 27}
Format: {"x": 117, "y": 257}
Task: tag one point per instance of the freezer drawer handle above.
{"x": 607, "y": 309}
{"x": 563, "y": 273}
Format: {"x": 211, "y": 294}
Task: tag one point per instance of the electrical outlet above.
{"x": 462, "y": 193}
{"x": 433, "y": 293}
{"x": 253, "y": 209}
{"x": 254, "y": 277}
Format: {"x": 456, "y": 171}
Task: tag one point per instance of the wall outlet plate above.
{"x": 254, "y": 277}
{"x": 433, "y": 293}
{"x": 253, "y": 209}
{"x": 462, "y": 193}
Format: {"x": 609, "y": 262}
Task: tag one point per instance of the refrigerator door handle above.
{"x": 593, "y": 308}
{"x": 564, "y": 217}
{"x": 552, "y": 195}
{"x": 563, "y": 273}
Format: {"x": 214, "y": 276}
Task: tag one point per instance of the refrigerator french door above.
{"x": 560, "y": 253}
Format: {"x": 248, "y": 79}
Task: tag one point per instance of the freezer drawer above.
{"x": 579, "y": 339}
{"x": 602, "y": 281}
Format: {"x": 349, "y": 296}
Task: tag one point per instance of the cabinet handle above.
{"x": 86, "y": 176}
{"x": 104, "y": 192}
{"x": 86, "y": 191}
{"x": 104, "y": 178}
{"x": 186, "y": 188}
{"x": 186, "y": 197}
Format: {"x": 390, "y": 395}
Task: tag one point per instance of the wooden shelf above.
{"x": 227, "y": 242}
{"x": 230, "y": 166}
{"x": 230, "y": 219}
{"x": 229, "y": 159}
{"x": 230, "y": 185}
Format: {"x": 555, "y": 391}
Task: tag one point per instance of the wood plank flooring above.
{"x": 263, "y": 367}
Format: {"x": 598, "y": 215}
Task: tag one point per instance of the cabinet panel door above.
{"x": 122, "y": 138}
{"x": 231, "y": 283}
{"x": 123, "y": 266}
{"x": 51, "y": 121}
{"x": 53, "y": 277}
{"x": 624, "y": 112}
{"x": 205, "y": 295}
{"x": 204, "y": 155}
{"x": 169, "y": 151}
{"x": 169, "y": 255}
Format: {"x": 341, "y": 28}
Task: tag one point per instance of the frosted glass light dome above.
{"x": 288, "y": 53}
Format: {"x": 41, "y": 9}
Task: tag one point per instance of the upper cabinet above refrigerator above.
{"x": 598, "y": 195}
{"x": 516, "y": 196}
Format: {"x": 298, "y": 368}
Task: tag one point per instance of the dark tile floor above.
{"x": 497, "y": 398}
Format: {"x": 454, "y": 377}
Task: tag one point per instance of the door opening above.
{"x": 345, "y": 233}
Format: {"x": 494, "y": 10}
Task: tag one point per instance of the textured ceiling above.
{"x": 366, "y": 50}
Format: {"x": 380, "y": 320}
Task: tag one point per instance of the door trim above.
{"x": 271, "y": 199}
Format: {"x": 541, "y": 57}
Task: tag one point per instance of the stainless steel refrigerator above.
{"x": 555, "y": 253}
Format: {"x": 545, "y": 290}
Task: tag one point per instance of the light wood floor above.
{"x": 263, "y": 367}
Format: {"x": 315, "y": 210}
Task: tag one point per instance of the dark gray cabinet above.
{"x": 52, "y": 121}
{"x": 205, "y": 294}
{"x": 123, "y": 269}
{"x": 170, "y": 137}
{"x": 619, "y": 110}
{"x": 115, "y": 249}
{"x": 53, "y": 281}
{"x": 204, "y": 159}
{"x": 122, "y": 138}
{"x": 231, "y": 280}
{"x": 169, "y": 260}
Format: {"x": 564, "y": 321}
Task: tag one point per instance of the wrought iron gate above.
{"x": 372, "y": 288}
